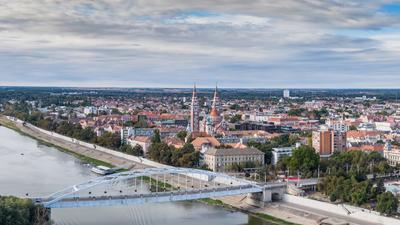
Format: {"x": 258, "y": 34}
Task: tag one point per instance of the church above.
{"x": 213, "y": 122}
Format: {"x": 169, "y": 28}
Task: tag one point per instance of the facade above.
{"x": 90, "y": 110}
{"x": 143, "y": 141}
{"x": 219, "y": 160}
{"x": 195, "y": 113}
{"x": 286, "y": 93}
{"x": 338, "y": 125}
{"x": 214, "y": 122}
{"x": 392, "y": 156}
{"x": 326, "y": 142}
{"x": 127, "y": 132}
{"x": 278, "y": 153}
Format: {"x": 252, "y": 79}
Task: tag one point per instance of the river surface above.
{"x": 30, "y": 168}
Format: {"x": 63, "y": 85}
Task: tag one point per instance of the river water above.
{"x": 30, "y": 168}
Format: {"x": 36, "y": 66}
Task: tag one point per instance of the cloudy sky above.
{"x": 174, "y": 43}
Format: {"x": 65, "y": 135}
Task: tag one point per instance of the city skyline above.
{"x": 263, "y": 44}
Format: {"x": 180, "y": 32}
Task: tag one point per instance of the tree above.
{"x": 137, "y": 150}
{"x": 236, "y": 118}
{"x": 182, "y": 135}
{"x": 305, "y": 160}
{"x": 352, "y": 127}
{"x": 141, "y": 123}
{"x": 156, "y": 137}
{"x": 296, "y": 112}
{"x": 380, "y": 187}
{"x": 15, "y": 211}
{"x": 109, "y": 140}
{"x": 387, "y": 203}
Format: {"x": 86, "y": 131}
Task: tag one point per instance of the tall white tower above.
{"x": 286, "y": 93}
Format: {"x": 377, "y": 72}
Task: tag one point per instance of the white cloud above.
{"x": 222, "y": 19}
{"x": 167, "y": 40}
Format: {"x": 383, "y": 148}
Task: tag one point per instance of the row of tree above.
{"x": 285, "y": 140}
{"x": 182, "y": 157}
{"x": 16, "y": 211}
{"x": 64, "y": 127}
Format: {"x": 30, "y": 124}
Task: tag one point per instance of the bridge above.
{"x": 166, "y": 185}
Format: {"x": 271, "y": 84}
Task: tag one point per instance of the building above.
{"x": 142, "y": 141}
{"x": 286, "y": 93}
{"x": 174, "y": 141}
{"x": 214, "y": 122}
{"x": 90, "y": 110}
{"x": 364, "y": 136}
{"x": 195, "y": 112}
{"x": 127, "y": 132}
{"x": 219, "y": 160}
{"x": 204, "y": 143}
{"x": 327, "y": 141}
{"x": 392, "y": 156}
{"x": 338, "y": 125}
{"x": 279, "y": 153}
{"x": 268, "y": 127}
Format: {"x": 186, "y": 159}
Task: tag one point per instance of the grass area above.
{"x": 214, "y": 202}
{"x": 272, "y": 219}
{"x": 9, "y": 124}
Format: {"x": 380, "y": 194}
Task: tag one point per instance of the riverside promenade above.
{"x": 295, "y": 212}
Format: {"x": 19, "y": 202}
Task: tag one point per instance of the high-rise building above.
{"x": 286, "y": 93}
{"x": 194, "y": 112}
{"x": 327, "y": 141}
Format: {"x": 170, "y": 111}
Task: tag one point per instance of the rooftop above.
{"x": 233, "y": 151}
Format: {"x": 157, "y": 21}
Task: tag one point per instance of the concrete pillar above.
{"x": 267, "y": 196}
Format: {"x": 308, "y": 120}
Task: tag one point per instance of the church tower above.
{"x": 216, "y": 108}
{"x": 195, "y": 112}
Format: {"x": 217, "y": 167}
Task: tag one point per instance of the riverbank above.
{"x": 101, "y": 158}
{"x": 81, "y": 152}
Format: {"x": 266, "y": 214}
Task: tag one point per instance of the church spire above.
{"x": 194, "y": 112}
{"x": 216, "y": 98}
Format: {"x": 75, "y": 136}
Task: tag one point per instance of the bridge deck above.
{"x": 154, "y": 197}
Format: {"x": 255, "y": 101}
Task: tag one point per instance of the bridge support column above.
{"x": 268, "y": 195}
{"x": 260, "y": 198}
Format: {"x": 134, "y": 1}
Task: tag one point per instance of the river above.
{"x": 29, "y": 167}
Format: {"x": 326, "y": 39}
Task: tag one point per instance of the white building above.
{"x": 279, "y": 153}
{"x": 392, "y": 156}
{"x": 90, "y": 110}
{"x": 337, "y": 125}
{"x": 259, "y": 117}
{"x": 383, "y": 126}
{"x": 286, "y": 93}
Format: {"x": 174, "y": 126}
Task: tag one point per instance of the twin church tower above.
{"x": 211, "y": 123}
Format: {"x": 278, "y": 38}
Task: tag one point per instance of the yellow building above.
{"x": 220, "y": 160}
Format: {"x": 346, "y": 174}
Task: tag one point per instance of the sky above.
{"x": 175, "y": 43}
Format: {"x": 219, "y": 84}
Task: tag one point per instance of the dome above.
{"x": 214, "y": 112}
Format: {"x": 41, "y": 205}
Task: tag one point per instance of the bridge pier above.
{"x": 268, "y": 195}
